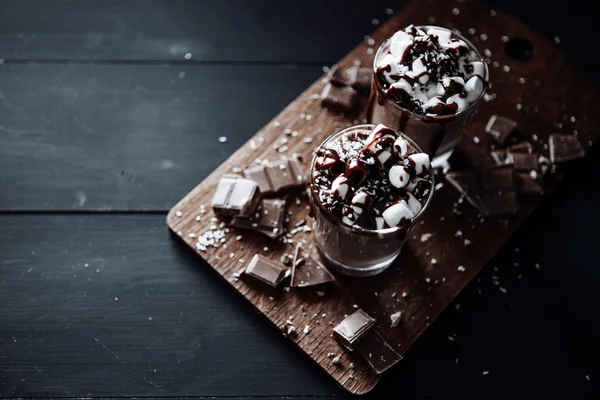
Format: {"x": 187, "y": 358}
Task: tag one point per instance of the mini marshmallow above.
{"x": 339, "y": 186}
{"x": 424, "y": 78}
{"x": 474, "y": 88}
{"x": 395, "y": 213}
{"x": 461, "y": 102}
{"x": 348, "y": 221}
{"x": 478, "y": 68}
{"x": 418, "y": 66}
{"x": 455, "y": 44}
{"x": 401, "y": 35}
{"x": 400, "y": 146}
{"x": 388, "y": 60}
{"x": 399, "y": 49}
{"x": 399, "y": 177}
{"x": 414, "y": 204}
{"x": 379, "y": 222}
{"x": 402, "y": 84}
{"x": 360, "y": 198}
{"x": 421, "y": 162}
{"x": 384, "y": 156}
{"x": 435, "y": 101}
{"x": 374, "y": 145}
{"x": 442, "y": 35}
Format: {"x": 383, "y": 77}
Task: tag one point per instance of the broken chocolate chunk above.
{"x": 339, "y": 76}
{"x": 565, "y": 148}
{"x": 500, "y": 128}
{"x": 378, "y": 353}
{"x": 499, "y": 204}
{"x": 361, "y": 78}
{"x": 467, "y": 184}
{"x": 497, "y": 180}
{"x": 268, "y": 218}
{"x": 343, "y": 98}
{"x": 524, "y": 161}
{"x": 235, "y": 196}
{"x": 353, "y": 328}
{"x": 264, "y": 270}
{"x": 277, "y": 175}
{"x": 529, "y": 183}
{"x": 306, "y": 271}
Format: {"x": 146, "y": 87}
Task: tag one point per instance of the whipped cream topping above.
{"x": 430, "y": 71}
{"x": 373, "y": 179}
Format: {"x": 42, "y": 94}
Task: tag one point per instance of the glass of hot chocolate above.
{"x": 428, "y": 82}
{"x": 368, "y": 186}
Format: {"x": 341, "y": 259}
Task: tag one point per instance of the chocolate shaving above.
{"x": 307, "y": 271}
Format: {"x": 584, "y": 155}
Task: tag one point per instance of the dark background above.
{"x": 104, "y": 126}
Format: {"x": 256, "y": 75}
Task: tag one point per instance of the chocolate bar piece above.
{"x": 498, "y": 180}
{"x": 565, "y": 148}
{"x": 529, "y": 183}
{"x": 500, "y": 128}
{"x": 503, "y": 156}
{"x": 351, "y": 330}
{"x": 467, "y": 184}
{"x": 264, "y": 270}
{"x": 498, "y": 204}
{"x": 235, "y": 196}
{"x": 361, "y": 78}
{"x": 277, "y": 175}
{"x": 307, "y": 271}
{"x": 339, "y": 76}
{"x": 268, "y": 218}
{"x": 343, "y": 98}
{"x": 521, "y": 147}
{"x": 378, "y": 353}
{"x": 524, "y": 161}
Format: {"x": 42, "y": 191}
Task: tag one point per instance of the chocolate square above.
{"x": 524, "y": 161}
{"x": 277, "y": 175}
{"x": 268, "y": 218}
{"x": 500, "y": 128}
{"x": 264, "y": 270}
{"x": 343, "y": 98}
{"x": 259, "y": 175}
{"x": 362, "y": 78}
{"x": 378, "y": 353}
{"x": 521, "y": 147}
{"x": 306, "y": 271}
{"x": 339, "y": 76}
{"x": 235, "y": 196}
{"x": 498, "y": 204}
{"x": 529, "y": 183}
{"x": 565, "y": 148}
{"x": 351, "y": 330}
{"x": 498, "y": 180}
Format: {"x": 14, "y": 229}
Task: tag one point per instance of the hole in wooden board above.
{"x": 519, "y": 49}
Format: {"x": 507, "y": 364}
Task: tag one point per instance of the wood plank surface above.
{"x": 526, "y": 92}
{"x": 538, "y": 338}
{"x": 122, "y": 137}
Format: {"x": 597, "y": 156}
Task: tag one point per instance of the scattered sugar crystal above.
{"x": 461, "y": 268}
{"x": 265, "y": 248}
{"x": 191, "y": 235}
{"x": 433, "y": 261}
{"x": 375, "y": 21}
{"x": 187, "y": 56}
{"x": 222, "y": 139}
{"x": 522, "y": 80}
{"x": 336, "y": 360}
{"x": 486, "y": 372}
{"x": 395, "y": 318}
{"x": 450, "y": 338}
{"x": 389, "y": 11}
{"x": 471, "y": 31}
{"x": 487, "y": 53}
{"x": 404, "y": 294}
{"x": 179, "y": 214}
{"x": 306, "y": 329}
{"x": 276, "y": 123}
{"x": 537, "y": 266}
{"x": 325, "y": 68}
{"x": 505, "y": 39}
{"x": 476, "y": 139}
{"x": 483, "y": 37}
{"x": 458, "y": 233}
{"x": 556, "y": 39}
{"x": 506, "y": 68}
{"x": 455, "y": 11}
{"x": 426, "y": 236}
{"x": 493, "y": 13}
{"x": 370, "y": 50}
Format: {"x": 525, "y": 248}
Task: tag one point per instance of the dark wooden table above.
{"x": 104, "y": 125}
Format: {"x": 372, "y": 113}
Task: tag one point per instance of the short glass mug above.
{"x": 354, "y": 250}
{"x": 435, "y": 135}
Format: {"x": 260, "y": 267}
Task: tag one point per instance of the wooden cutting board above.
{"x": 545, "y": 94}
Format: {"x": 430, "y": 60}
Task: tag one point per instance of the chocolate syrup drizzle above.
{"x": 366, "y": 173}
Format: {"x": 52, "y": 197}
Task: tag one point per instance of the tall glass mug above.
{"x": 354, "y": 250}
{"x": 436, "y": 135}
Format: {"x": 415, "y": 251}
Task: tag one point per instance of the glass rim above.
{"x": 357, "y": 229}
{"x": 434, "y": 117}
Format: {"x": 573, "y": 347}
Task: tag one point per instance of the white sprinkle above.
{"x": 457, "y": 360}
{"x": 192, "y": 235}
{"x": 519, "y": 106}
{"x": 265, "y": 248}
{"x": 276, "y": 123}
{"x": 238, "y": 237}
{"x": 336, "y": 360}
{"x": 467, "y": 242}
{"x": 572, "y": 119}
{"x": 537, "y": 266}
{"x": 325, "y": 68}
{"x": 493, "y": 14}
{"x": 181, "y": 75}
{"x": 425, "y": 237}
{"x": 556, "y": 39}
{"x": 306, "y": 330}
{"x": 505, "y": 39}
{"x": 427, "y": 280}
{"x": 404, "y": 294}
{"x": 587, "y": 377}
{"x": 433, "y": 261}
{"x": 370, "y": 50}
{"x": 506, "y": 68}
{"x": 197, "y": 218}
{"x": 222, "y": 139}
{"x": 522, "y": 80}
{"x": 503, "y": 290}
{"x": 395, "y": 318}
{"x": 308, "y": 140}
{"x": 455, "y": 11}
{"x": 483, "y": 37}
{"x": 187, "y": 56}
{"x": 179, "y": 214}
{"x": 461, "y": 268}
{"x": 116, "y": 299}
{"x": 471, "y": 31}
{"x": 375, "y": 21}
{"x": 389, "y": 11}
{"x": 324, "y": 315}
{"x": 476, "y": 139}
{"x": 450, "y": 338}
{"x": 486, "y": 372}
{"x": 271, "y": 298}
{"x": 458, "y": 233}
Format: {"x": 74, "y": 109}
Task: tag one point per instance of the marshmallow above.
{"x": 400, "y": 48}
{"x": 414, "y": 204}
{"x": 379, "y": 222}
{"x": 399, "y": 177}
{"x": 400, "y": 146}
{"x": 388, "y": 60}
{"x": 418, "y": 66}
{"x": 348, "y": 221}
{"x": 400, "y": 35}
{"x": 339, "y": 186}
{"x": 455, "y": 44}
{"x": 402, "y": 84}
{"x": 474, "y": 88}
{"x": 443, "y": 35}
{"x": 358, "y": 201}
{"x": 478, "y": 68}
{"x": 384, "y": 156}
{"x": 424, "y": 78}
{"x": 395, "y": 213}
{"x": 373, "y": 142}
{"x": 461, "y": 102}
{"x": 433, "y": 102}
{"x": 420, "y": 161}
